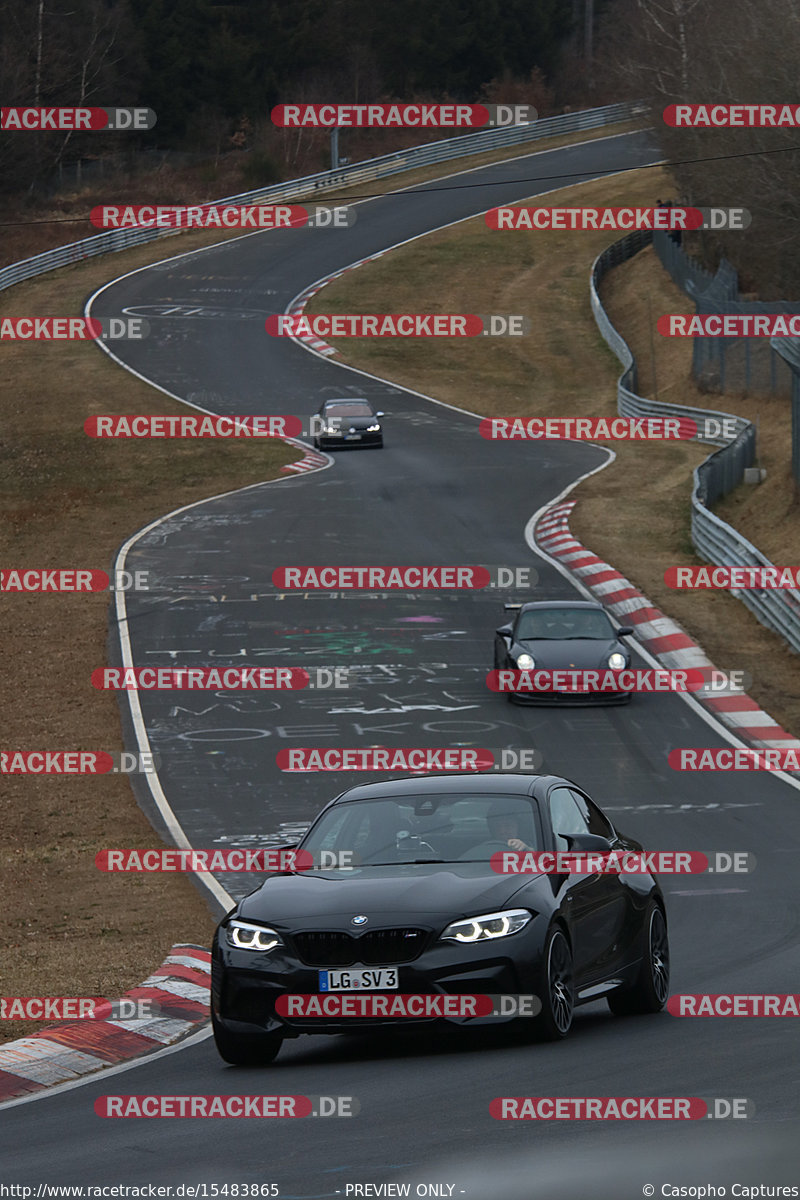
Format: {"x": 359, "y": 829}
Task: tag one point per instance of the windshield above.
{"x": 556, "y": 624}
{"x": 457, "y": 827}
{"x": 348, "y": 409}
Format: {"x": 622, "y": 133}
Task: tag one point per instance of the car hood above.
{"x": 390, "y": 892}
{"x": 582, "y": 653}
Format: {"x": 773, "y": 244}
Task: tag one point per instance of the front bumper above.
{"x": 244, "y": 992}
{"x": 571, "y": 699}
{"x": 364, "y": 439}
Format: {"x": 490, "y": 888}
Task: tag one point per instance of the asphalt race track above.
{"x": 437, "y": 493}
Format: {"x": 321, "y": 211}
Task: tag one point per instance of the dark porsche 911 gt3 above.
{"x": 555, "y": 635}
{"x": 424, "y": 912}
{"x": 347, "y": 422}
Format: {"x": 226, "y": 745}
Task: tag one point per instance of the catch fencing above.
{"x": 714, "y": 540}
{"x": 726, "y": 364}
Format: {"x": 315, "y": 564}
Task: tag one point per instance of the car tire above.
{"x": 650, "y": 991}
{"x": 246, "y": 1049}
{"x": 558, "y": 998}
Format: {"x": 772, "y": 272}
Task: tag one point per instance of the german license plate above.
{"x": 352, "y": 437}
{"x": 359, "y": 979}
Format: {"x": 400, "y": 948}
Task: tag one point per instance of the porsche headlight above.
{"x": 245, "y": 936}
{"x": 487, "y": 928}
{"x": 525, "y": 662}
{"x": 617, "y": 661}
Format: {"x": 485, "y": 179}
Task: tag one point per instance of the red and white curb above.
{"x": 658, "y": 634}
{"x": 298, "y": 305}
{"x": 64, "y": 1052}
{"x": 311, "y": 461}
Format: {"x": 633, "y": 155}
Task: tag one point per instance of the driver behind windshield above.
{"x": 504, "y": 827}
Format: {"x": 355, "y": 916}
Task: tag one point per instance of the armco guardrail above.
{"x": 714, "y": 540}
{"x": 363, "y": 172}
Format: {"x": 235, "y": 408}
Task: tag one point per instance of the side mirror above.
{"x": 380, "y": 414}
{"x": 591, "y": 843}
{"x": 625, "y": 631}
{"x": 504, "y": 631}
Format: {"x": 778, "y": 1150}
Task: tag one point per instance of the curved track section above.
{"x": 436, "y": 494}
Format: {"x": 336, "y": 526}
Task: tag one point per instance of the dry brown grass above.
{"x": 70, "y": 500}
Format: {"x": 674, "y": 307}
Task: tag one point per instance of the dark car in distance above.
{"x": 425, "y": 912}
{"x": 556, "y": 635}
{"x": 347, "y": 422}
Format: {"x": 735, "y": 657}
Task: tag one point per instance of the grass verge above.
{"x": 70, "y": 500}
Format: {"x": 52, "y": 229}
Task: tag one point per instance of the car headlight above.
{"x": 525, "y": 662}
{"x": 485, "y": 929}
{"x": 332, "y": 431}
{"x": 244, "y": 936}
{"x": 617, "y": 661}
{"x": 373, "y": 428}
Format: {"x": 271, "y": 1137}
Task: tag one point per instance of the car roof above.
{"x": 477, "y": 782}
{"x": 347, "y": 400}
{"x": 534, "y": 604}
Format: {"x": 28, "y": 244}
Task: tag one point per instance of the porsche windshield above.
{"x": 559, "y": 624}
{"x": 432, "y": 828}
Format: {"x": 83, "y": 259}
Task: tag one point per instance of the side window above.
{"x": 565, "y": 815}
{"x": 595, "y": 820}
